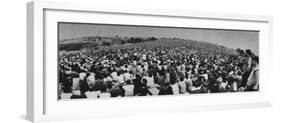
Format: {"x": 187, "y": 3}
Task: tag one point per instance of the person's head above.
{"x": 138, "y": 76}
{"x": 119, "y": 73}
{"x": 255, "y": 60}
{"x": 92, "y": 74}
{"x": 187, "y": 75}
{"x": 248, "y": 52}
{"x": 181, "y": 78}
{"x": 144, "y": 81}
{"x": 128, "y": 82}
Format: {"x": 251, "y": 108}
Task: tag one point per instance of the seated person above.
{"x": 76, "y": 94}
{"x": 140, "y": 88}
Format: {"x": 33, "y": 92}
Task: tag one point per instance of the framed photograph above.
{"x": 86, "y": 60}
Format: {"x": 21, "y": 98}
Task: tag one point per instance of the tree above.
{"x": 105, "y": 43}
{"x": 123, "y": 42}
{"x": 152, "y": 38}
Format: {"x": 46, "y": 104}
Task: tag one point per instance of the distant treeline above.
{"x": 94, "y": 42}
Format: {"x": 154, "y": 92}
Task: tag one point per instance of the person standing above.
{"x": 253, "y": 80}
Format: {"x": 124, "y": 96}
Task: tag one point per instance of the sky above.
{"x": 242, "y": 39}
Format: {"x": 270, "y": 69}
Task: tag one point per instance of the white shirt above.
{"x": 223, "y": 85}
{"x": 114, "y": 75}
{"x": 82, "y": 75}
{"x": 234, "y": 86}
{"x": 93, "y": 94}
{"x": 175, "y": 88}
{"x": 91, "y": 79}
{"x": 150, "y": 81}
{"x": 75, "y": 84}
{"x": 126, "y": 76}
{"x": 120, "y": 78}
{"x": 107, "y": 79}
{"x": 205, "y": 76}
{"x": 66, "y": 95}
{"x": 145, "y": 67}
{"x": 129, "y": 90}
{"x": 104, "y": 95}
{"x": 249, "y": 62}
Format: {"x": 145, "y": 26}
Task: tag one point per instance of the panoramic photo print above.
{"x": 106, "y": 61}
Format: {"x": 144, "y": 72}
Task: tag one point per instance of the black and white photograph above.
{"x": 108, "y": 60}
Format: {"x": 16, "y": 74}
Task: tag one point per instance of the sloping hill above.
{"x": 94, "y": 43}
{"x": 174, "y": 43}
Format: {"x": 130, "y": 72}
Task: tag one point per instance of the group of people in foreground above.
{"x": 155, "y": 70}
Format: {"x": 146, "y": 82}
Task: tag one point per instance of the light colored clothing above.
{"x": 196, "y": 88}
{"x": 82, "y": 75}
{"x": 129, "y": 90}
{"x": 91, "y": 79}
{"x": 175, "y": 88}
{"x": 107, "y": 79}
{"x": 93, "y": 94}
{"x": 189, "y": 83}
{"x": 127, "y": 76}
{"x": 104, "y": 95}
{"x": 114, "y": 75}
{"x": 75, "y": 84}
{"x": 153, "y": 91}
{"x": 146, "y": 67}
{"x": 76, "y": 92}
{"x": 66, "y": 95}
{"x": 205, "y": 76}
{"x": 150, "y": 81}
{"x": 120, "y": 78}
{"x": 223, "y": 85}
{"x": 235, "y": 86}
{"x": 167, "y": 78}
{"x": 253, "y": 80}
{"x": 249, "y": 62}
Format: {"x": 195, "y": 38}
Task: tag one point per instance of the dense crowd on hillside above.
{"x": 155, "y": 70}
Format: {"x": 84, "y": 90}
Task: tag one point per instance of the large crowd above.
{"x": 157, "y": 70}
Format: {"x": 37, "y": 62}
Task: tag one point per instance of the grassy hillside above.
{"x": 95, "y": 43}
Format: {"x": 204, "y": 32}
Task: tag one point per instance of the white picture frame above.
{"x": 40, "y": 14}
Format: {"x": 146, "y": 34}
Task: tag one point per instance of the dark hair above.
{"x": 181, "y": 78}
{"x": 144, "y": 81}
{"x": 231, "y": 80}
{"x": 119, "y": 73}
{"x": 186, "y": 75}
{"x": 150, "y": 74}
{"x": 138, "y": 76}
{"x": 128, "y": 82}
{"x": 249, "y": 52}
{"x": 256, "y": 59}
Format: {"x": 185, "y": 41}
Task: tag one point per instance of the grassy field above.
{"x": 164, "y": 42}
